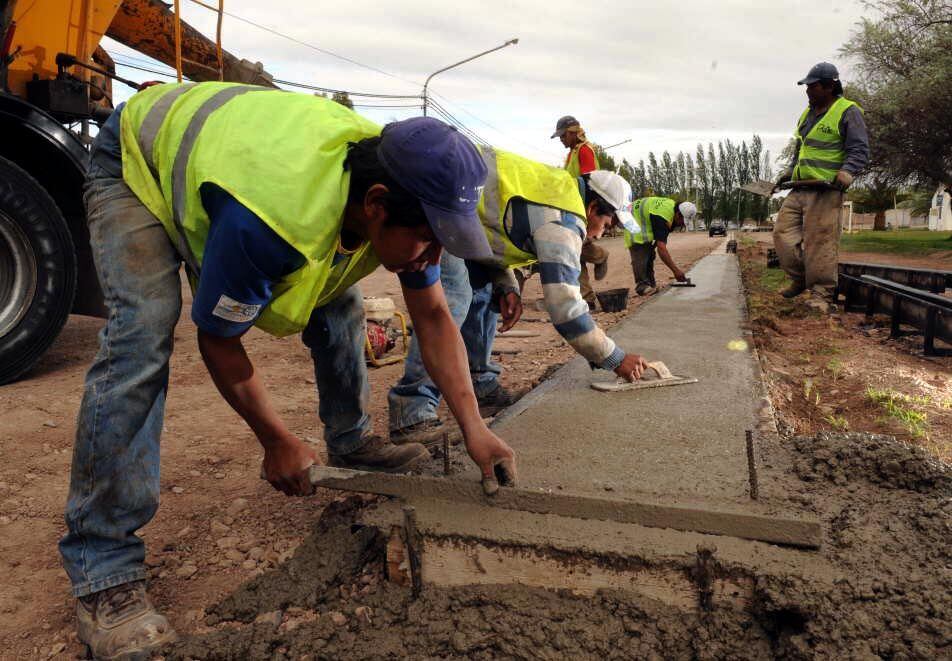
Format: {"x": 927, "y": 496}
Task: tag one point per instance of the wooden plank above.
{"x": 749, "y": 523}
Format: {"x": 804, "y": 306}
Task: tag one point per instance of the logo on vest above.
{"x": 823, "y": 128}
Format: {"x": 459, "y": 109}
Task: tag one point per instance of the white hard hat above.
{"x": 688, "y": 210}
{"x": 617, "y": 192}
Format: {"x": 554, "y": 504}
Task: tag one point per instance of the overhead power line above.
{"x": 316, "y": 48}
{"x": 330, "y": 90}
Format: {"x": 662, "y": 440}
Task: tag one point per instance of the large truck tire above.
{"x": 37, "y": 271}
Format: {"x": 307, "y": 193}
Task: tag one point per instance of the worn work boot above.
{"x": 645, "y": 290}
{"x": 496, "y": 401}
{"x": 794, "y": 290}
{"x": 601, "y": 270}
{"x": 121, "y": 623}
{"x": 379, "y": 454}
{"x": 820, "y": 300}
{"x": 428, "y": 432}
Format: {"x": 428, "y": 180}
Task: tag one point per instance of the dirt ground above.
{"x": 885, "y": 507}
{"x": 219, "y": 525}
{"x": 842, "y": 372}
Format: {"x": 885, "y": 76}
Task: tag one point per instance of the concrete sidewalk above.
{"x": 682, "y": 441}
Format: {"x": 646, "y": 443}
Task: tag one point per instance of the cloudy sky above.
{"x": 665, "y": 75}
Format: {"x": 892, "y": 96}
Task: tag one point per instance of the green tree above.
{"x": 877, "y": 193}
{"x": 605, "y": 161}
{"x": 904, "y": 60}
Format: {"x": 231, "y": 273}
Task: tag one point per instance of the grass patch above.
{"x": 902, "y": 408}
{"x": 773, "y": 279}
{"x": 835, "y": 368}
{"x": 838, "y": 422}
{"x": 906, "y": 242}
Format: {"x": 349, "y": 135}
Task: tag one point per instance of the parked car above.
{"x": 717, "y": 227}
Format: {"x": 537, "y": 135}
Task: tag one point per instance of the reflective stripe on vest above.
{"x": 643, "y": 209}
{"x": 250, "y": 145}
{"x": 822, "y": 151}
{"x": 512, "y": 176}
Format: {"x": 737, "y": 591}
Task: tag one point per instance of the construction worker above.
{"x": 832, "y": 147}
{"x": 581, "y": 161}
{"x": 277, "y": 203}
{"x": 532, "y": 214}
{"x": 656, "y": 217}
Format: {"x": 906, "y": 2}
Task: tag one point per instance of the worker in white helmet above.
{"x": 656, "y": 217}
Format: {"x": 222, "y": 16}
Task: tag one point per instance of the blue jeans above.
{"x": 415, "y": 398}
{"x": 114, "y": 482}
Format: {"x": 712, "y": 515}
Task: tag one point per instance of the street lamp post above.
{"x": 511, "y": 42}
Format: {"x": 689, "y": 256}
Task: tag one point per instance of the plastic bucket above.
{"x": 613, "y": 300}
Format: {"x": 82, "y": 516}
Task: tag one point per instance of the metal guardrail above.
{"x": 929, "y": 280}
{"x": 930, "y": 314}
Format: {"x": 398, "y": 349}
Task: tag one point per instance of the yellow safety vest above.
{"x": 279, "y": 154}
{"x": 822, "y": 151}
{"x": 571, "y": 163}
{"x": 509, "y": 177}
{"x": 642, "y": 210}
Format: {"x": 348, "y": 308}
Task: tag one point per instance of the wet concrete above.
{"x": 679, "y": 441}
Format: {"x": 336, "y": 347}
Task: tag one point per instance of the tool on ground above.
{"x": 657, "y": 375}
{"x": 746, "y": 522}
{"x": 686, "y": 283}
{"x": 382, "y": 334}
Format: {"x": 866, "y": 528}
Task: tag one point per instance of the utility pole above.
{"x": 511, "y": 42}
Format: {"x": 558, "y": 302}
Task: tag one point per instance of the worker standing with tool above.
{"x": 532, "y": 214}
{"x": 832, "y": 147}
{"x": 657, "y": 216}
{"x": 278, "y": 203}
{"x": 581, "y": 161}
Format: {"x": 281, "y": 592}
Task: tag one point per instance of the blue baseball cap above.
{"x": 821, "y": 71}
{"x": 441, "y": 167}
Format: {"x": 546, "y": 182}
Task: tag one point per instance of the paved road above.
{"x": 681, "y": 441}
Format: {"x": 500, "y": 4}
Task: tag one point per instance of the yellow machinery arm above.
{"x": 148, "y": 26}
{"x": 44, "y": 28}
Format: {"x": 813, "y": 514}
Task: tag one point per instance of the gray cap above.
{"x": 563, "y": 124}
{"x": 821, "y": 71}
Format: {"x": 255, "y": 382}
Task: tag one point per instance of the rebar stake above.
{"x": 446, "y": 454}
{"x": 705, "y": 569}
{"x": 413, "y": 549}
{"x": 752, "y": 466}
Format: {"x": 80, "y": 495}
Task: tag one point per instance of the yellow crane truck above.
{"x": 55, "y": 83}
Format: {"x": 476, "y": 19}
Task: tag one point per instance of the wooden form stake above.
{"x": 413, "y": 550}
{"x": 752, "y": 467}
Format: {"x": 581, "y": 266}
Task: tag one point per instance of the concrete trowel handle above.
{"x": 660, "y": 369}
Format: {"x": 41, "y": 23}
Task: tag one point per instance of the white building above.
{"x": 940, "y": 215}
{"x": 896, "y": 218}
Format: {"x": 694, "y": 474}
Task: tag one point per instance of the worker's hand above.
{"x": 843, "y": 180}
{"x": 632, "y": 367}
{"x": 784, "y": 177}
{"x": 510, "y": 308}
{"x": 285, "y": 466}
{"x": 679, "y": 276}
{"x": 496, "y": 460}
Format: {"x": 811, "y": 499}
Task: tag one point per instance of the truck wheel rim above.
{"x": 17, "y": 274}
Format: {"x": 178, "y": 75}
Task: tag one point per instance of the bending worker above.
{"x": 657, "y": 216}
{"x": 531, "y": 213}
{"x": 278, "y": 203}
{"x": 581, "y": 161}
{"x": 832, "y": 148}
